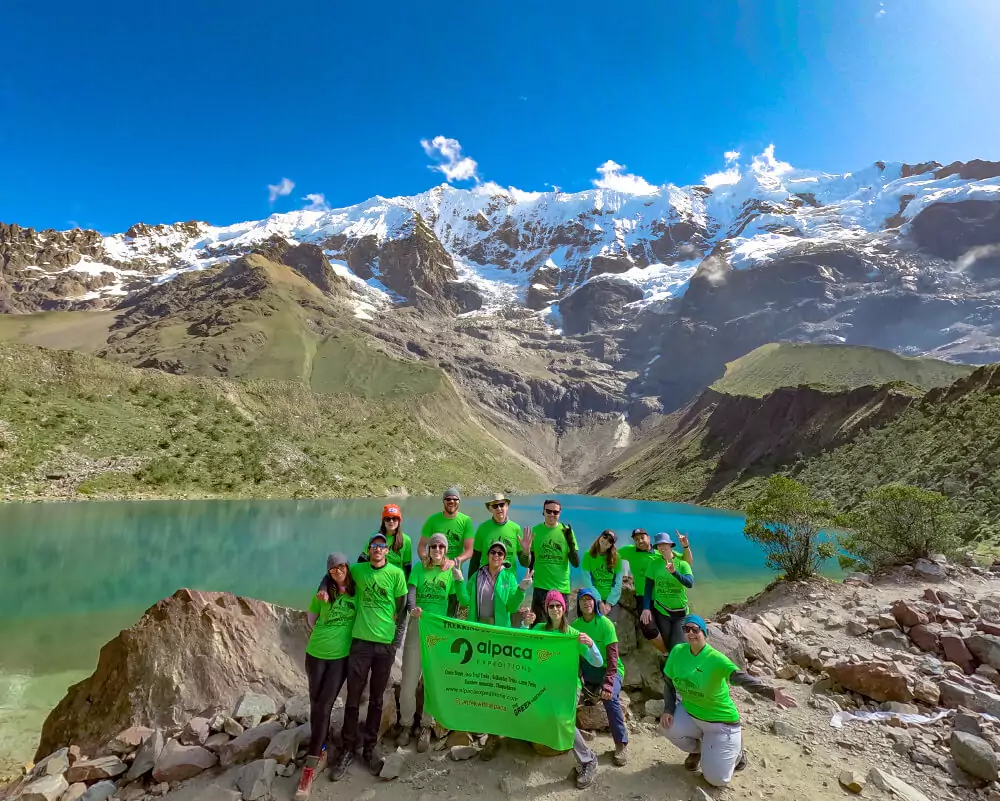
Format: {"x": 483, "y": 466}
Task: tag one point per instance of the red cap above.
{"x": 391, "y": 510}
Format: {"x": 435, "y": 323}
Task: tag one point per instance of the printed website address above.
{"x": 482, "y": 704}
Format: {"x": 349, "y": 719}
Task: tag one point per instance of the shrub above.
{"x": 896, "y": 524}
{"x": 786, "y": 521}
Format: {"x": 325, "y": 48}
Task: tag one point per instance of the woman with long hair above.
{"x": 331, "y": 617}
{"x": 604, "y": 566}
{"x": 555, "y": 620}
{"x": 434, "y": 581}
{"x": 704, "y": 721}
{"x": 400, "y": 551}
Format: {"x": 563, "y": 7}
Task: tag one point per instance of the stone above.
{"x": 700, "y": 795}
{"x": 929, "y": 570}
{"x": 75, "y": 792}
{"x": 214, "y": 792}
{"x": 297, "y": 708}
{"x": 857, "y": 577}
{"x": 643, "y": 671}
{"x": 856, "y": 628}
{"x": 254, "y": 780}
{"x": 892, "y": 639}
{"x": 195, "y": 732}
{"x": 988, "y": 703}
{"x": 931, "y": 596}
{"x": 55, "y": 764}
{"x": 512, "y": 785}
{"x": 74, "y": 754}
{"x": 989, "y": 673}
{"x": 946, "y": 615}
{"x": 92, "y": 770}
{"x": 875, "y": 680}
{"x": 250, "y": 745}
{"x": 967, "y": 723}
{"x": 787, "y": 672}
{"x": 101, "y": 791}
{"x": 285, "y": 745}
{"x": 190, "y": 652}
{"x": 125, "y": 742}
{"x": 145, "y": 757}
{"x": 926, "y": 691}
{"x": 789, "y": 624}
{"x": 783, "y": 729}
{"x": 462, "y": 752}
{"x": 654, "y": 708}
{"x": 216, "y": 741}
{"x": 160, "y": 789}
{"x": 974, "y": 755}
{"x": 751, "y": 637}
{"x": 178, "y": 762}
{"x": 926, "y": 636}
{"x": 804, "y": 656}
{"x": 896, "y": 787}
{"x": 231, "y": 727}
{"x": 393, "y": 766}
{"x": 955, "y": 650}
{"x": 45, "y": 788}
{"x": 986, "y": 648}
{"x": 907, "y": 613}
{"x": 287, "y": 770}
{"x": 458, "y": 738}
{"x": 725, "y": 642}
{"x": 900, "y": 708}
{"x": 851, "y": 781}
{"x": 252, "y": 705}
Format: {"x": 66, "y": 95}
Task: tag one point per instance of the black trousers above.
{"x": 367, "y": 659}
{"x": 538, "y": 603}
{"x": 666, "y": 626}
{"x": 326, "y": 678}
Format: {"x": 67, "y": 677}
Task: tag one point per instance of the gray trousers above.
{"x": 411, "y": 678}
{"x": 719, "y": 744}
{"x": 581, "y": 750}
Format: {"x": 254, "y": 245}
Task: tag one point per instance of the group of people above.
{"x": 360, "y": 611}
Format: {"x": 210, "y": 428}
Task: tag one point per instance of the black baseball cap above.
{"x": 637, "y": 531}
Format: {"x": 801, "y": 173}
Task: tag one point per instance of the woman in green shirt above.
{"x": 434, "y": 580}
{"x": 331, "y": 617}
{"x": 706, "y": 723}
{"x": 664, "y": 601}
{"x": 604, "y": 565}
{"x": 400, "y": 551}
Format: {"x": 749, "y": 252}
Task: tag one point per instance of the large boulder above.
{"x": 986, "y": 648}
{"x": 190, "y": 652}
{"x": 908, "y": 614}
{"x": 47, "y": 788}
{"x": 751, "y": 637}
{"x": 876, "y": 680}
{"x": 250, "y": 745}
{"x": 177, "y": 762}
{"x": 92, "y": 770}
{"x": 974, "y": 755}
{"x": 728, "y": 644}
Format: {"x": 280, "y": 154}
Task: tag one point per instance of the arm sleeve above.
{"x": 462, "y": 590}
{"x": 647, "y": 593}
{"x": 574, "y": 551}
{"x": 751, "y": 684}
{"x": 400, "y": 621}
{"x": 363, "y": 556}
{"x": 669, "y": 696}
{"x": 687, "y": 579}
{"x": 616, "y": 590}
{"x": 476, "y": 561}
{"x": 611, "y": 667}
{"x": 593, "y": 655}
{"x": 406, "y": 571}
{"x": 411, "y": 597}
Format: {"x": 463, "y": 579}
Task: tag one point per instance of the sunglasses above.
{"x": 437, "y": 547}
{"x": 500, "y": 505}
{"x": 451, "y": 500}
{"x": 378, "y": 546}
{"x": 555, "y": 606}
{"x": 690, "y": 629}
{"x": 390, "y": 519}
{"x": 607, "y": 537}
{"x": 497, "y": 553}
{"x": 552, "y": 511}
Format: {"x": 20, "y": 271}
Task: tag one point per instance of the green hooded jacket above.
{"x": 507, "y": 596}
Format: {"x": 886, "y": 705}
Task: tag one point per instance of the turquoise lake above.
{"x": 73, "y": 575}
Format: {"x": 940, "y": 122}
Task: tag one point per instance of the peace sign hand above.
{"x": 526, "y": 581}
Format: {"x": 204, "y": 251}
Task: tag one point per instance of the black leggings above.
{"x": 326, "y": 677}
{"x": 667, "y": 626}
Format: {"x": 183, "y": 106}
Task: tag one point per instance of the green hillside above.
{"x": 74, "y": 425}
{"x": 832, "y": 367}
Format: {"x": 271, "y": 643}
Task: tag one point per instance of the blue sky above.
{"x": 118, "y": 112}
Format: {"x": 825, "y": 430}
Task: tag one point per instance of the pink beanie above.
{"x": 554, "y": 596}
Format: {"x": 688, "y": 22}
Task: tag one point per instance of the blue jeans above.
{"x": 614, "y": 709}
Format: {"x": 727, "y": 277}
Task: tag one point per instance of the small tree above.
{"x": 897, "y": 524}
{"x": 786, "y": 521}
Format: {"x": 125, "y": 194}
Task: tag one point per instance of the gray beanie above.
{"x": 336, "y": 558}
{"x": 451, "y": 492}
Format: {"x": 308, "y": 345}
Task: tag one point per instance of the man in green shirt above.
{"x": 664, "y": 597}
{"x": 549, "y": 549}
{"x": 378, "y": 632}
{"x": 497, "y": 528}
{"x": 455, "y": 525}
{"x": 640, "y": 555}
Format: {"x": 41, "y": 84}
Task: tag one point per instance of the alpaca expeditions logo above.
{"x": 493, "y": 650}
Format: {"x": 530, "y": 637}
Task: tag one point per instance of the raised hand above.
{"x": 526, "y": 538}
{"x": 568, "y": 533}
{"x": 683, "y": 539}
{"x": 526, "y": 581}
{"x": 671, "y": 566}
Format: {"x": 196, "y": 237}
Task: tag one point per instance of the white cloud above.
{"x": 730, "y": 175}
{"x": 317, "y": 202}
{"x": 881, "y": 11}
{"x": 614, "y": 178}
{"x": 766, "y": 162}
{"x": 732, "y": 155}
{"x": 453, "y": 164}
{"x": 282, "y": 188}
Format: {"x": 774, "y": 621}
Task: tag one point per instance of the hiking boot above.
{"x": 373, "y": 761}
{"x": 404, "y": 737}
{"x": 741, "y": 763}
{"x": 320, "y": 761}
{"x": 423, "y": 739}
{"x": 693, "y": 762}
{"x": 621, "y": 755}
{"x": 491, "y": 748}
{"x": 305, "y": 782}
{"x": 340, "y": 766}
{"x": 586, "y": 773}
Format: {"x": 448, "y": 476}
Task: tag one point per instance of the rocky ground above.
{"x": 922, "y": 642}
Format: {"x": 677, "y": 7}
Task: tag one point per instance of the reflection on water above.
{"x": 73, "y": 575}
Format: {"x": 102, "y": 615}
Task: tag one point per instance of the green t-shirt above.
{"x": 551, "y": 557}
{"x": 668, "y": 593}
{"x": 404, "y": 556}
{"x": 331, "y": 636}
{"x": 434, "y": 586}
{"x": 509, "y": 534}
{"x": 702, "y": 682}
{"x": 602, "y": 632}
{"x": 603, "y": 576}
{"x": 638, "y": 562}
{"x": 377, "y": 591}
{"x": 457, "y": 530}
